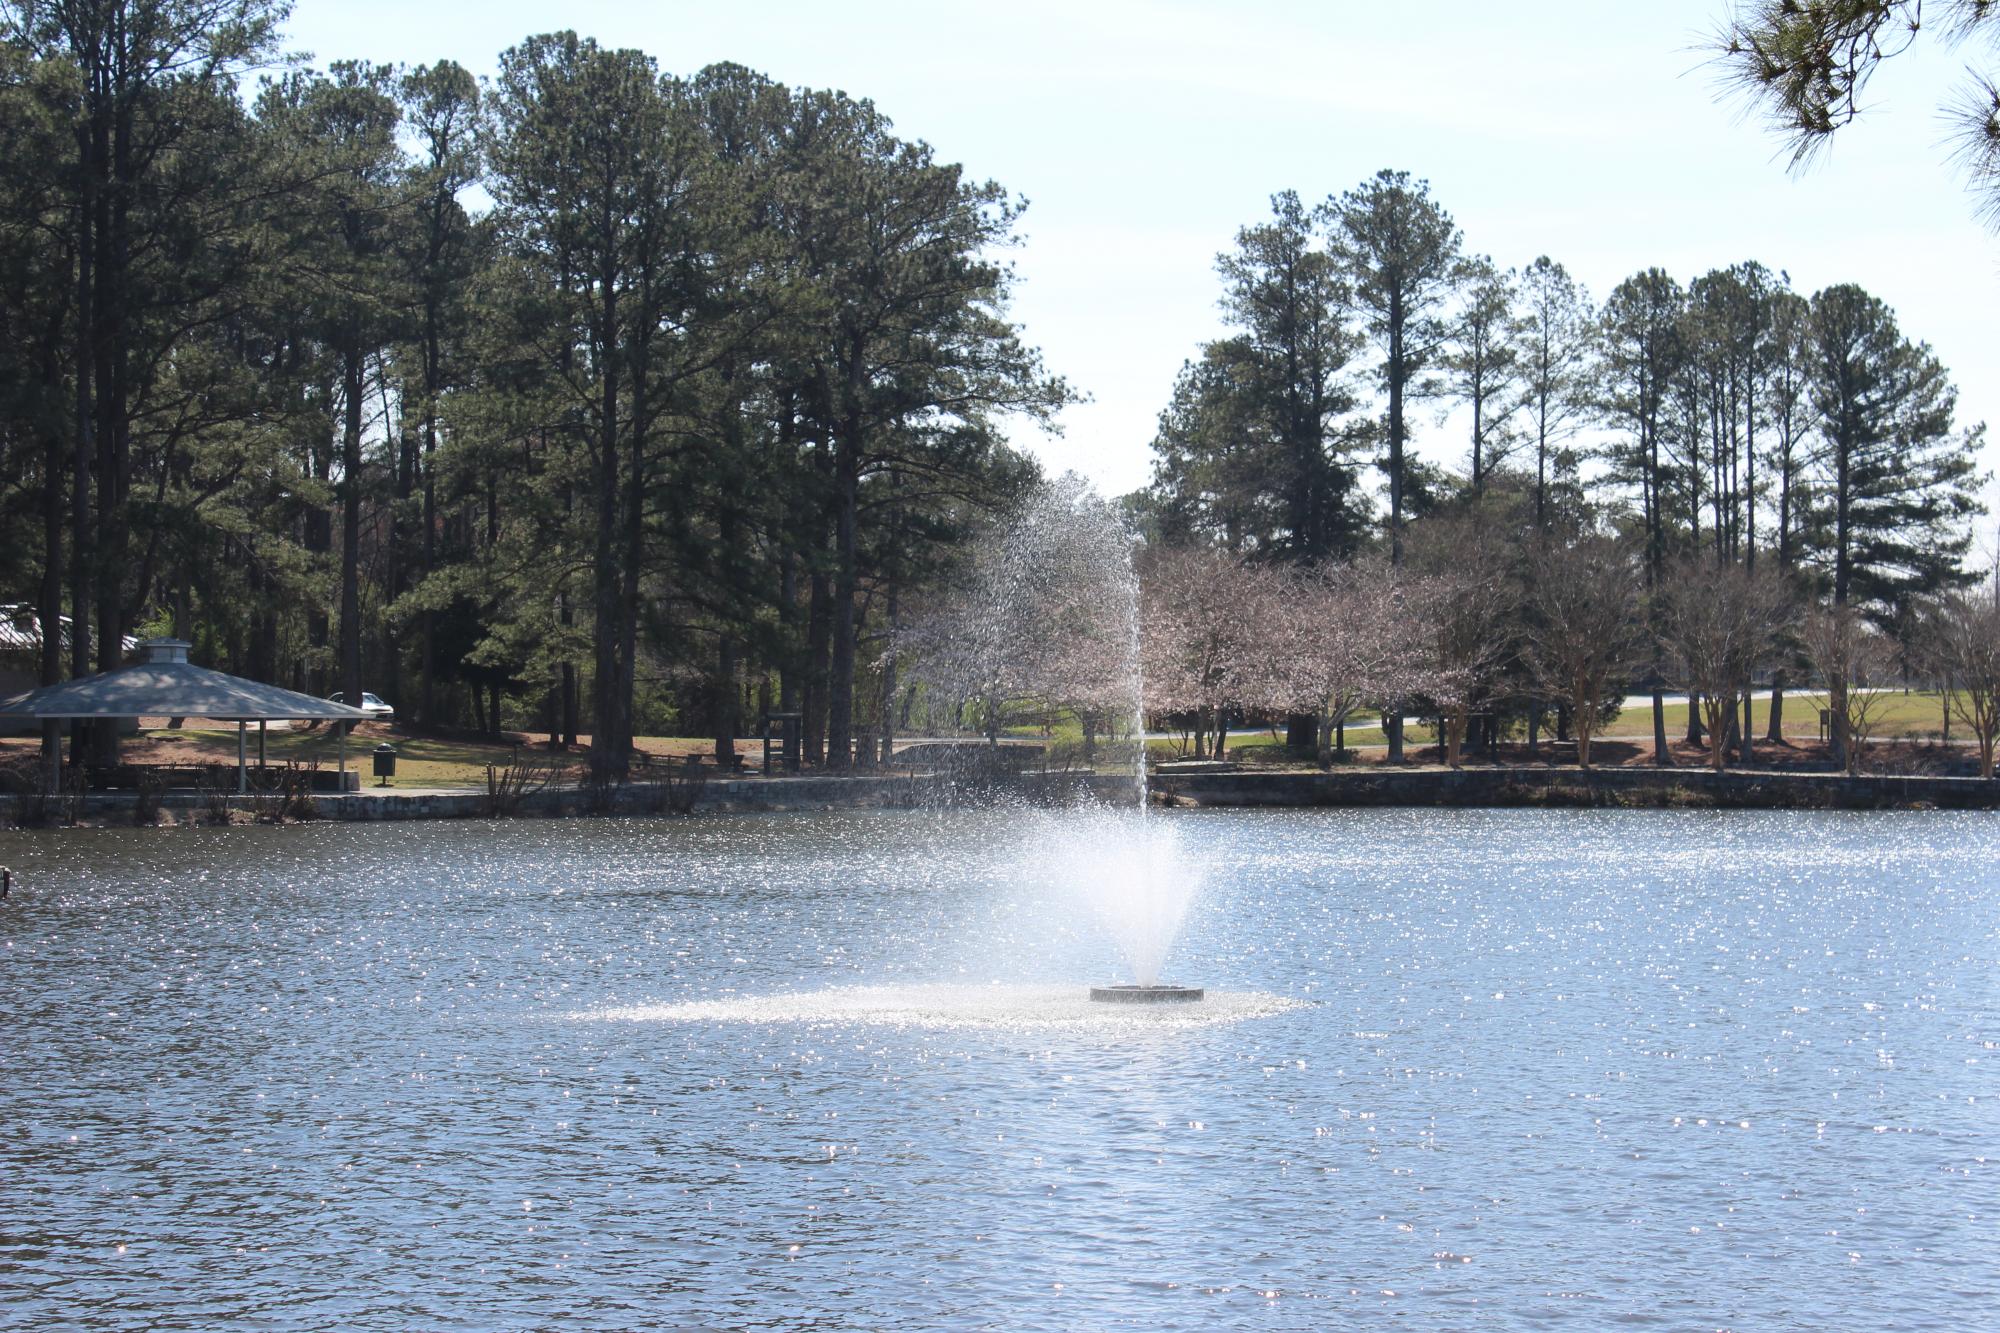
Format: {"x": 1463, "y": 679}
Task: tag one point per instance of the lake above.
{"x": 1497, "y": 1069}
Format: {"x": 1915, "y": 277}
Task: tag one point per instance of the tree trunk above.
{"x": 83, "y": 459}
{"x": 789, "y": 672}
{"x": 728, "y": 719}
{"x": 607, "y": 759}
{"x": 632, "y": 546}
{"x": 846, "y": 557}
{"x": 1747, "y": 731}
{"x": 840, "y": 681}
{"x": 886, "y": 724}
{"x": 1774, "y": 725}
{"x": 569, "y": 705}
{"x": 1836, "y": 702}
{"x": 819, "y": 648}
{"x": 1397, "y": 371}
{"x": 1662, "y": 756}
{"x": 427, "y": 689}
{"x": 114, "y": 456}
{"x": 350, "y": 525}
{"x": 49, "y": 611}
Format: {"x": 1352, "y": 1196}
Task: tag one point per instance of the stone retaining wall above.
{"x": 1637, "y": 787}
{"x": 1647, "y": 787}
{"x": 717, "y": 796}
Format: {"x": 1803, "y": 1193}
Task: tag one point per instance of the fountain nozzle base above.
{"x": 1145, "y": 994}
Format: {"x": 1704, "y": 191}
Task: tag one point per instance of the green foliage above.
{"x": 1807, "y": 63}
{"x": 725, "y": 367}
{"x": 1898, "y": 484}
{"x": 1401, "y": 253}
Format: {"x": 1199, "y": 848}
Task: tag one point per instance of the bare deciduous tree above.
{"x": 1965, "y": 641}
{"x": 1851, "y": 659}
{"x": 1457, "y": 606}
{"x": 1719, "y": 622}
{"x": 1583, "y": 630}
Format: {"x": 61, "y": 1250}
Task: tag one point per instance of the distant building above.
{"x": 21, "y": 655}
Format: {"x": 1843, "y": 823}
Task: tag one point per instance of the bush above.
{"x": 509, "y": 785}
{"x": 146, "y": 811}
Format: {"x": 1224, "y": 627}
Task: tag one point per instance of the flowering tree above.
{"x": 1336, "y": 644}
{"x": 1046, "y": 616}
{"x": 1205, "y": 620}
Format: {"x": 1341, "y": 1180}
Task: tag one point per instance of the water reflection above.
{"x": 1510, "y": 1069}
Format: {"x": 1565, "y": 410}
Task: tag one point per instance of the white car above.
{"x": 377, "y": 710}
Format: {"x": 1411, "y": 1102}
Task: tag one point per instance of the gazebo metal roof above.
{"x": 166, "y": 684}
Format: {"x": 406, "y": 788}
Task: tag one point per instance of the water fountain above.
{"x": 1051, "y": 619}
{"x": 1136, "y": 994}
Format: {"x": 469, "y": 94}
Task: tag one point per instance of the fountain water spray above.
{"x": 1048, "y": 622}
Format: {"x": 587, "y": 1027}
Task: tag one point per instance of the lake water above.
{"x": 1479, "y": 1069}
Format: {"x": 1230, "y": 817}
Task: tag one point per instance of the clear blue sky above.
{"x": 1144, "y": 134}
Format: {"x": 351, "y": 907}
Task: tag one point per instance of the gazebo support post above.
{"x": 262, "y": 726}
{"x": 343, "y": 756}
{"x": 242, "y": 760}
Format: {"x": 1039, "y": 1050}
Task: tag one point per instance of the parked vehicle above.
{"x": 377, "y": 710}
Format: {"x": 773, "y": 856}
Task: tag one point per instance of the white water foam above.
{"x": 948, "y": 1006}
{"x": 1135, "y": 872}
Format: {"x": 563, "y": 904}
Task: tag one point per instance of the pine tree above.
{"x": 1897, "y": 484}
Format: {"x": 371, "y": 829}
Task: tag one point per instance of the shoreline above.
{"x": 1536, "y": 787}
{"x": 1619, "y": 787}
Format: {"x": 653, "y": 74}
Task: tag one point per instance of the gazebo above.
{"x": 166, "y": 684}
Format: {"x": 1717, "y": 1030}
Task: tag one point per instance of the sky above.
{"x": 1145, "y": 134}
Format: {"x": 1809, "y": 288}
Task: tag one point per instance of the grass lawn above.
{"x": 447, "y": 762}
{"x": 421, "y": 761}
{"x": 1916, "y": 715}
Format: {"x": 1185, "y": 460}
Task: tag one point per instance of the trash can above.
{"x": 385, "y": 763}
